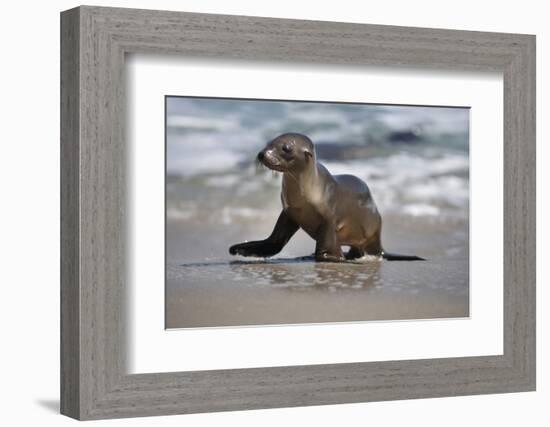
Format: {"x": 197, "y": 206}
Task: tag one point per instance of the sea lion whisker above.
{"x": 259, "y": 166}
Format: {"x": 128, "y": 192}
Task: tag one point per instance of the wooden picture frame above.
{"x": 94, "y": 41}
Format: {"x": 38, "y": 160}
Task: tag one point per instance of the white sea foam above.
{"x": 368, "y": 258}
{"x": 179, "y": 214}
{"x": 228, "y": 215}
{"x": 199, "y": 123}
{"x": 204, "y": 161}
{"x": 420, "y": 209}
{"x": 449, "y": 189}
{"x": 224, "y": 181}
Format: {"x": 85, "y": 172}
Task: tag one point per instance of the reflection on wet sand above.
{"x": 206, "y": 287}
{"x": 317, "y": 276}
{"x": 225, "y": 293}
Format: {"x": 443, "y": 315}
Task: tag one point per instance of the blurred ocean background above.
{"x": 415, "y": 160}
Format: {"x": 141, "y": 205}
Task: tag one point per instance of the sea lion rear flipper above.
{"x": 397, "y": 257}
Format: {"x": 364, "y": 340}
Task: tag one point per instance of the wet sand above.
{"x": 206, "y": 287}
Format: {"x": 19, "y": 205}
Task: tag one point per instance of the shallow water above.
{"x": 225, "y": 294}
{"x": 215, "y": 289}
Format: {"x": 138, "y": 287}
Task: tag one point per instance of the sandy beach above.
{"x": 206, "y": 287}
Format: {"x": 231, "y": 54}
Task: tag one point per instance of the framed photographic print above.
{"x": 261, "y": 213}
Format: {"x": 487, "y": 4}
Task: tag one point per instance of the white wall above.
{"x": 29, "y": 240}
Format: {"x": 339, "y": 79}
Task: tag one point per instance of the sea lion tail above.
{"x": 397, "y": 257}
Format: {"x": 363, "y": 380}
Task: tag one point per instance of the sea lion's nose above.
{"x": 261, "y": 156}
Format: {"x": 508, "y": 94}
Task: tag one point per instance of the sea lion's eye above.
{"x": 286, "y": 148}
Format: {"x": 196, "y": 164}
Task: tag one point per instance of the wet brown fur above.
{"x": 335, "y": 210}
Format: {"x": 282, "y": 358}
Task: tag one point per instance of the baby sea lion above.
{"x": 335, "y": 210}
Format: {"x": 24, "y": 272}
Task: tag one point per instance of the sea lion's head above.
{"x": 289, "y": 152}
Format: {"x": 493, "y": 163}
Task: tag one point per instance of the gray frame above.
{"x": 94, "y": 40}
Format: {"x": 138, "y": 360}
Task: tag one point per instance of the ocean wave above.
{"x": 206, "y": 131}
{"x": 404, "y": 168}
{"x": 224, "y": 215}
{"x": 190, "y": 123}
{"x": 423, "y": 172}
{"x": 400, "y": 184}
{"x": 420, "y": 209}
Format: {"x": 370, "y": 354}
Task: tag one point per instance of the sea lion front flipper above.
{"x": 281, "y": 234}
{"x": 327, "y": 247}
